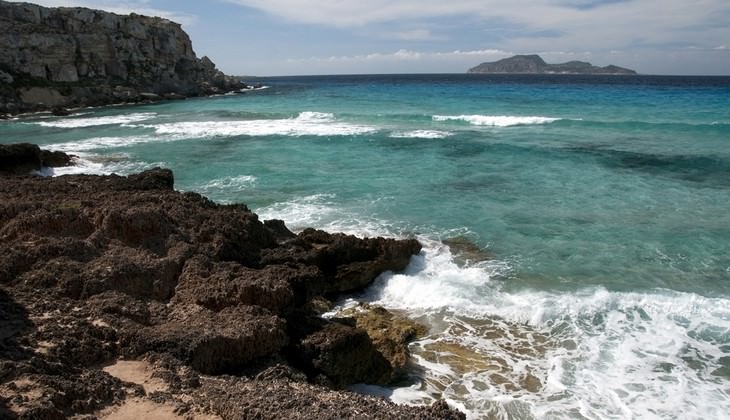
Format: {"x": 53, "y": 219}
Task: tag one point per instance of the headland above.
{"x": 57, "y": 58}
{"x": 534, "y": 64}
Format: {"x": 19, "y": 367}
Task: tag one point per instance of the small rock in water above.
{"x": 467, "y": 252}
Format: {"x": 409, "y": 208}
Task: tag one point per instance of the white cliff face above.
{"x": 84, "y": 55}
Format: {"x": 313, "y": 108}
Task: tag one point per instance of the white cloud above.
{"x": 404, "y": 54}
{"x": 580, "y": 24}
{"x": 413, "y": 35}
{"x": 456, "y": 61}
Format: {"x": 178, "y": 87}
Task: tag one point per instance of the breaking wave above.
{"x": 420, "y": 134}
{"x": 305, "y": 124}
{"x": 97, "y": 121}
{"x": 496, "y": 120}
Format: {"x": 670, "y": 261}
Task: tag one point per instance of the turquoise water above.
{"x": 599, "y": 204}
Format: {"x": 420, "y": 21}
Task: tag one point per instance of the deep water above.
{"x": 588, "y": 272}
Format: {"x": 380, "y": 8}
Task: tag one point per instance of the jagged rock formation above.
{"x": 534, "y": 64}
{"x": 63, "y": 57}
{"x": 22, "y": 158}
{"x": 94, "y": 269}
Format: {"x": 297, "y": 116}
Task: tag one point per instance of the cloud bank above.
{"x": 572, "y": 24}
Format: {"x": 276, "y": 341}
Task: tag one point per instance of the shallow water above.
{"x": 588, "y": 271}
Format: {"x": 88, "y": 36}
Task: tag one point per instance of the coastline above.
{"x": 112, "y": 283}
{"x": 645, "y": 297}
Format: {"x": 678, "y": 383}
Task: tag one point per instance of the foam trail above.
{"x": 306, "y": 124}
{"x": 320, "y": 211}
{"x": 97, "y": 121}
{"x": 496, "y": 120}
{"x": 91, "y": 164}
{"x": 222, "y": 189}
{"x": 235, "y": 183}
{"x": 420, "y": 134}
{"x": 97, "y": 143}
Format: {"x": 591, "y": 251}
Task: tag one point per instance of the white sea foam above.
{"x": 420, "y": 134}
{"x": 496, "y": 120}
{"x": 230, "y": 183}
{"x": 226, "y": 187}
{"x": 499, "y": 353}
{"x": 594, "y": 353}
{"x": 320, "y": 211}
{"x": 97, "y": 121}
{"x": 306, "y": 124}
{"x": 100, "y": 143}
{"x": 91, "y": 164}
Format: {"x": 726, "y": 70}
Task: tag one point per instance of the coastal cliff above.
{"x": 70, "y": 57}
{"x": 120, "y": 294}
{"x": 534, "y": 64}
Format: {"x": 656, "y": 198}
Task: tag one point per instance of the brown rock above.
{"x": 56, "y": 159}
{"x": 220, "y": 285}
{"x": 21, "y": 158}
{"x": 98, "y": 268}
{"x": 283, "y": 399}
{"x": 347, "y": 263}
{"x": 214, "y": 342}
{"x": 344, "y": 355}
{"x": 389, "y": 332}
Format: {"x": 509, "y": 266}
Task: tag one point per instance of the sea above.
{"x": 575, "y": 229}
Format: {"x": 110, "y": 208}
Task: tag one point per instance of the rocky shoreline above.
{"x": 121, "y": 295}
{"x": 71, "y": 57}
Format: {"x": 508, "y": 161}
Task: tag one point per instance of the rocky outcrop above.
{"x": 94, "y": 269}
{"x": 534, "y": 64}
{"x": 389, "y": 332}
{"x": 23, "y": 158}
{"x": 69, "y": 57}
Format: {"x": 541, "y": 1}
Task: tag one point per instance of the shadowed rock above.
{"x": 23, "y": 158}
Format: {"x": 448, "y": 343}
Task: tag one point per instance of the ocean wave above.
{"x": 92, "y": 164}
{"x": 305, "y": 124}
{"x": 322, "y": 212}
{"x": 97, "y": 121}
{"x": 496, "y": 120}
{"x": 655, "y": 354}
{"x": 96, "y": 143}
{"x": 420, "y": 134}
{"x": 497, "y": 351}
{"x": 225, "y": 187}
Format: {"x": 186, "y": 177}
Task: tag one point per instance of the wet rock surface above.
{"x": 389, "y": 332}
{"x": 95, "y": 270}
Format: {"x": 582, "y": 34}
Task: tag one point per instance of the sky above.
{"x": 301, "y": 37}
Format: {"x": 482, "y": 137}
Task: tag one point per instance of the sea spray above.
{"x": 76, "y": 122}
{"x": 496, "y": 120}
{"x": 545, "y": 354}
{"x": 306, "y": 124}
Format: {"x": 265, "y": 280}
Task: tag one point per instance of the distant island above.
{"x": 534, "y": 64}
